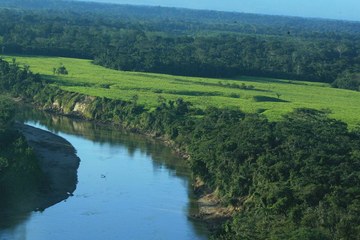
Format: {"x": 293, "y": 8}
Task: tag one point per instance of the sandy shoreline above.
{"x": 57, "y": 159}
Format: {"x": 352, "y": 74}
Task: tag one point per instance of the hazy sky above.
{"x": 335, "y": 9}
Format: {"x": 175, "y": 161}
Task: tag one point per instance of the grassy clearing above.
{"x": 271, "y": 97}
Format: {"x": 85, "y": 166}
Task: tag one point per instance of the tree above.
{"x": 7, "y": 113}
{"x": 348, "y": 80}
{"x": 61, "y": 70}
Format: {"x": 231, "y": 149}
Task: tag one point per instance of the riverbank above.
{"x": 211, "y": 209}
{"x": 123, "y": 177}
{"x": 58, "y": 161}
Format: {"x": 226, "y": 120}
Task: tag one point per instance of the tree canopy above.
{"x": 182, "y": 42}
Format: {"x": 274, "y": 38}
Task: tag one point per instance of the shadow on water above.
{"x": 27, "y": 188}
{"x": 104, "y": 134}
{"x": 163, "y": 157}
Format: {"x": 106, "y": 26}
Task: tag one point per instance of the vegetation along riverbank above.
{"x": 37, "y": 168}
{"x": 278, "y": 172}
{"x": 277, "y": 151}
{"x": 20, "y": 174}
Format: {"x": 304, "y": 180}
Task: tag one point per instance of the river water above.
{"x": 129, "y": 187}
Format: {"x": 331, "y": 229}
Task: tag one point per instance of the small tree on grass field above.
{"x": 60, "y": 70}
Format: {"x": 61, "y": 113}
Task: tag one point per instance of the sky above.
{"x": 333, "y": 9}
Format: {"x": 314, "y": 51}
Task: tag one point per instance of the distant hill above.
{"x": 220, "y": 21}
{"x": 181, "y": 41}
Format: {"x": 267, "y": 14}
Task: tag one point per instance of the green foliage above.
{"x": 3, "y": 163}
{"x": 7, "y": 113}
{"x": 182, "y": 42}
{"x": 60, "y": 70}
{"x": 299, "y": 186}
{"x": 18, "y": 81}
{"x": 348, "y": 80}
{"x": 20, "y": 174}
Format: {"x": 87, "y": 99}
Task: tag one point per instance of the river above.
{"x": 129, "y": 187}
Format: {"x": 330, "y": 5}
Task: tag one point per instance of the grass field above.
{"x": 271, "y": 97}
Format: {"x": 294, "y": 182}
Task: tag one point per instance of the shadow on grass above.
{"x": 223, "y": 84}
{"x": 267, "y": 99}
{"x": 269, "y": 80}
{"x": 194, "y": 93}
{"x": 58, "y": 80}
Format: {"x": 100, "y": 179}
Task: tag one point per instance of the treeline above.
{"x": 348, "y": 80}
{"x": 184, "y": 21}
{"x": 229, "y": 56}
{"x": 193, "y": 43}
{"x": 293, "y": 179}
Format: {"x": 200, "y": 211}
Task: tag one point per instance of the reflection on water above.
{"x": 129, "y": 187}
{"x": 25, "y": 188}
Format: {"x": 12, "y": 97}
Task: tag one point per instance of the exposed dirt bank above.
{"x": 211, "y": 209}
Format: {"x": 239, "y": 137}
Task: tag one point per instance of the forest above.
{"x": 184, "y": 42}
{"x": 296, "y": 178}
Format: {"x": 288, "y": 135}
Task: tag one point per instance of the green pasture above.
{"x": 271, "y": 97}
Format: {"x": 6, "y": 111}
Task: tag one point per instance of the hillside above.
{"x": 271, "y": 97}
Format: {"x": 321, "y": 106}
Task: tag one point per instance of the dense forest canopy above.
{"x": 204, "y": 19}
{"x": 335, "y": 9}
{"x": 182, "y": 41}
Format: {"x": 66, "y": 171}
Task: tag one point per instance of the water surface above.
{"x": 129, "y": 187}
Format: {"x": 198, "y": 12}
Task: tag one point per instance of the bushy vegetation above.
{"x": 295, "y": 178}
{"x": 20, "y": 175}
{"x": 19, "y": 81}
{"x": 60, "y": 70}
{"x": 348, "y": 80}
